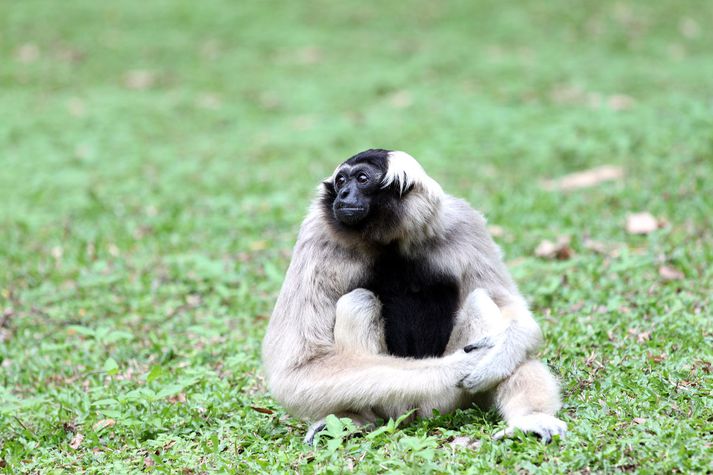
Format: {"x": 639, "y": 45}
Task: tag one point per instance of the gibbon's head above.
{"x": 380, "y": 195}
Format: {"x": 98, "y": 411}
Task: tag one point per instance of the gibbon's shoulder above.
{"x": 313, "y": 228}
{"x": 459, "y": 215}
{"x": 315, "y": 238}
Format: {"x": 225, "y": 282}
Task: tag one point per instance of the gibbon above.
{"x": 397, "y": 298}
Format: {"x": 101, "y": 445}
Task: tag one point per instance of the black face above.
{"x": 355, "y": 188}
{"x": 356, "y": 200}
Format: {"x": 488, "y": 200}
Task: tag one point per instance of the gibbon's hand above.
{"x": 471, "y": 358}
{"x": 489, "y": 368}
{"x": 504, "y": 352}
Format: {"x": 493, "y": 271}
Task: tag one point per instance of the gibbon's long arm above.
{"x": 308, "y": 374}
{"x": 471, "y": 253}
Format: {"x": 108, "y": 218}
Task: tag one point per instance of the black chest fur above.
{"x": 419, "y": 306}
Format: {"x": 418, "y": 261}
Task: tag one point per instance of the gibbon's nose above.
{"x": 344, "y": 193}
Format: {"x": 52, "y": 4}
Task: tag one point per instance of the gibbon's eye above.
{"x": 340, "y": 180}
{"x": 362, "y": 178}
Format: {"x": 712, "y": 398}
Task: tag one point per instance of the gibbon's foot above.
{"x": 543, "y": 425}
{"x": 312, "y": 431}
{"x": 364, "y": 421}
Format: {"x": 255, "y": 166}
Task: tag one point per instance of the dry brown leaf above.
{"x": 584, "y": 179}
{"x": 258, "y": 245}
{"x": 178, "y": 398}
{"x": 401, "y": 99}
{"x": 606, "y": 249}
{"x": 27, "y": 53}
{"x": 640, "y": 336}
{"x": 76, "y": 440}
{"x": 657, "y": 358}
{"x": 596, "y": 246}
{"x": 638, "y": 420}
{"x": 69, "y": 55}
{"x": 303, "y": 122}
{"x": 591, "y": 360}
{"x": 262, "y": 410}
{"x": 641, "y": 223}
{"x": 209, "y": 101}
{"x": 620, "y": 102}
{"x": 463, "y": 441}
{"x": 69, "y": 427}
{"x": 308, "y": 55}
{"x": 113, "y": 250}
{"x": 103, "y": 424}
{"x": 555, "y": 250}
{"x": 269, "y": 100}
{"x": 689, "y": 28}
{"x": 76, "y": 107}
{"x": 496, "y": 231}
{"x": 57, "y": 252}
{"x": 670, "y": 273}
{"x": 139, "y": 79}
{"x": 705, "y": 366}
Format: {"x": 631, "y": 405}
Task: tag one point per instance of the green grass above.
{"x": 146, "y": 219}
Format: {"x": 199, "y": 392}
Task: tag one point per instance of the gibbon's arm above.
{"x": 471, "y": 252}
{"x": 311, "y": 377}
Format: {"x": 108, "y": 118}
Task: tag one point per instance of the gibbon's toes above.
{"x": 482, "y": 344}
{"x": 542, "y": 425}
{"x": 312, "y": 431}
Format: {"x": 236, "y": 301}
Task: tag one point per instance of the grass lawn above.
{"x": 156, "y": 159}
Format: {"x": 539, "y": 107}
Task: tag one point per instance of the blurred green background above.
{"x": 156, "y": 159}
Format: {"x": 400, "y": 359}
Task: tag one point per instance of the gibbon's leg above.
{"x": 529, "y": 397}
{"x": 365, "y": 419}
{"x": 479, "y": 318}
{"x": 528, "y": 400}
{"x": 358, "y": 328}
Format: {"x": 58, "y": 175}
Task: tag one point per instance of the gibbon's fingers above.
{"x": 313, "y": 430}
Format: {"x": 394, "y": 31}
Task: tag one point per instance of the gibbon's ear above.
{"x": 395, "y": 188}
{"x": 404, "y": 173}
{"x": 329, "y": 187}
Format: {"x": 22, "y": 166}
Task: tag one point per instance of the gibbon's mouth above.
{"x": 350, "y": 215}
